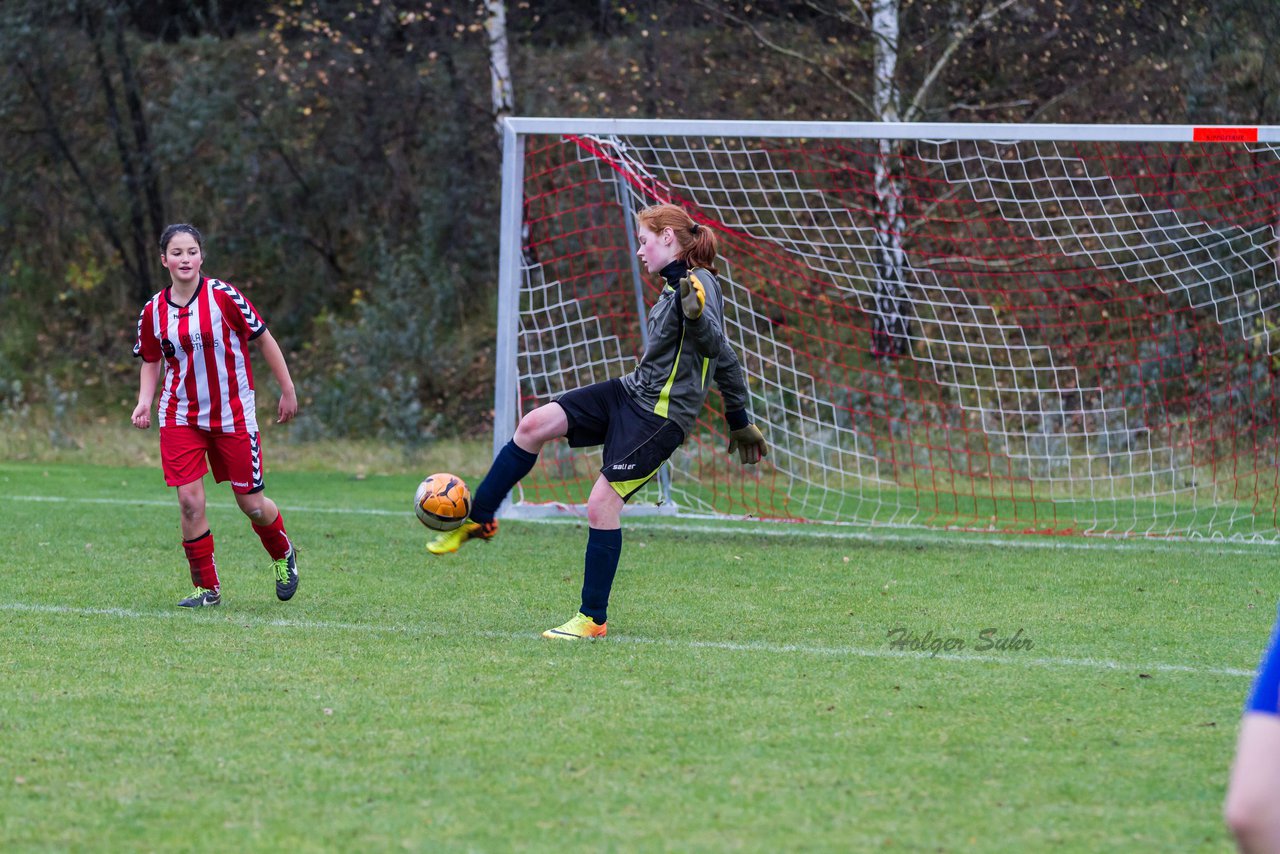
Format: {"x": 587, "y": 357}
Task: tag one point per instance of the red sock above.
{"x": 204, "y": 573}
{"x": 274, "y": 539}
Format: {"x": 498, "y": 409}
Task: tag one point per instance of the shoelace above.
{"x": 282, "y": 569}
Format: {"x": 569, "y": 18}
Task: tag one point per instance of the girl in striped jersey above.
{"x": 199, "y": 329}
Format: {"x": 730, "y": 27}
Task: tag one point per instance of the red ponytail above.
{"x": 697, "y": 242}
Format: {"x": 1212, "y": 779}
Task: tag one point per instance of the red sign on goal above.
{"x": 1225, "y": 135}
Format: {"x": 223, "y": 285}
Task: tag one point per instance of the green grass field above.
{"x": 748, "y": 698}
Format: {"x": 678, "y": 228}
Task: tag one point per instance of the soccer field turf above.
{"x": 758, "y": 691}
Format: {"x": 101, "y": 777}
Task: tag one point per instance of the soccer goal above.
{"x": 1056, "y": 329}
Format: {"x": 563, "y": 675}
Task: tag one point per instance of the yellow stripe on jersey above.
{"x": 664, "y": 398}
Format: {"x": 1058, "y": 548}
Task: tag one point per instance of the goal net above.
{"x": 1043, "y": 328}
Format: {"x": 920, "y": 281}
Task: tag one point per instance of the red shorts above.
{"x": 236, "y": 457}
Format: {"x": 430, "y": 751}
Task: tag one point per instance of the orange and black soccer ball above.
{"x": 443, "y": 502}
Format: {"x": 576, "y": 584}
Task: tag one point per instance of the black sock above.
{"x": 603, "y": 550}
{"x": 511, "y": 464}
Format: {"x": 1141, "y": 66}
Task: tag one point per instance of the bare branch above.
{"x": 961, "y": 106}
{"x": 863, "y": 21}
{"x": 1044, "y": 108}
{"x": 38, "y": 86}
{"x": 964, "y": 263}
{"x": 961, "y": 35}
{"x": 785, "y": 51}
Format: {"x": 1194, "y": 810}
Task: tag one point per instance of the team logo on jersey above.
{"x": 197, "y": 341}
{"x": 166, "y": 347}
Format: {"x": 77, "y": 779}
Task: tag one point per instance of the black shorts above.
{"x": 636, "y": 443}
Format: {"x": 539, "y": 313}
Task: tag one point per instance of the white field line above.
{"x": 818, "y": 532}
{"x": 1013, "y": 658}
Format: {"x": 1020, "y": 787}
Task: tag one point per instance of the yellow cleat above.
{"x": 451, "y": 541}
{"x": 581, "y": 626}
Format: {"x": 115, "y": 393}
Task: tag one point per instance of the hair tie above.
{"x": 693, "y": 229}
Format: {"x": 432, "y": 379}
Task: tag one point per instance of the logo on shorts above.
{"x": 623, "y": 466}
{"x": 240, "y": 483}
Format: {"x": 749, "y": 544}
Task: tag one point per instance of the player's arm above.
{"x": 148, "y": 379}
{"x": 702, "y": 306}
{"x": 146, "y": 348}
{"x": 744, "y": 436}
{"x": 280, "y": 370}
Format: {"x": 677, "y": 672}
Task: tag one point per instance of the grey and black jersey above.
{"x": 684, "y": 355}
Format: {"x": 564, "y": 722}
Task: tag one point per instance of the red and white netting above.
{"x": 1038, "y": 336}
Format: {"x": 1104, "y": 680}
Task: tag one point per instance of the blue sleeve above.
{"x": 1265, "y": 696}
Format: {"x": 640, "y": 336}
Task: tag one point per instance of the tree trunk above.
{"x": 890, "y": 325}
{"x": 142, "y": 195}
{"x": 148, "y": 181}
{"x": 503, "y": 92}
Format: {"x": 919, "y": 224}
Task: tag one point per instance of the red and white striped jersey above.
{"x": 207, "y": 380}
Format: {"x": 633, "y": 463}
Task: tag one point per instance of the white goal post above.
{"x": 1056, "y": 329}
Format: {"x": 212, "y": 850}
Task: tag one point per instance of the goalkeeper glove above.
{"x": 749, "y": 443}
{"x": 693, "y": 297}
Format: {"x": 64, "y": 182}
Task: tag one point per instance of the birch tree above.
{"x": 503, "y": 93}
{"x": 939, "y": 78}
{"x": 890, "y": 329}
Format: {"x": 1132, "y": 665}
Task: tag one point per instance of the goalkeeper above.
{"x": 639, "y": 419}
